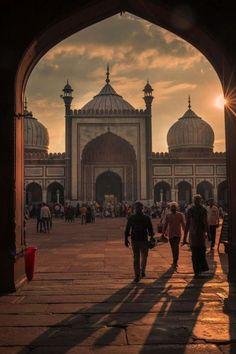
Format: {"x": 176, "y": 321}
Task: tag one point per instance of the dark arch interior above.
{"x": 55, "y": 193}
{"x": 162, "y": 192}
{"x": 108, "y": 186}
{"x": 205, "y": 189}
{"x": 184, "y": 192}
{"x": 33, "y": 193}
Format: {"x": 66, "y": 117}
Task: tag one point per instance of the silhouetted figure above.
{"x": 196, "y": 225}
{"x": 140, "y": 226}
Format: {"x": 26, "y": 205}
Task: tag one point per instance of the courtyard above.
{"x": 82, "y": 298}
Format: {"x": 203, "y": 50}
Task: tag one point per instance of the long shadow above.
{"x": 165, "y": 330}
{"x": 71, "y": 332}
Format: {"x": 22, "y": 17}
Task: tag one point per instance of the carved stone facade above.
{"x": 109, "y": 152}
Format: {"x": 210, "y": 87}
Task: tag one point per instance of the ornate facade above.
{"x": 109, "y": 154}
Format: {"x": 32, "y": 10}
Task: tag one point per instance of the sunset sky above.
{"x": 136, "y": 50}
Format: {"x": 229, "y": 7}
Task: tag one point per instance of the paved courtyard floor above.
{"x": 82, "y": 298}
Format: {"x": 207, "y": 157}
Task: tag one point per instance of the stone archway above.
{"x": 205, "y": 188}
{"x": 33, "y": 193}
{"x": 55, "y": 193}
{"x": 50, "y": 29}
{"x": 184, "y": 192}
{"x": 162, "y": 192}
{"x": 109, "y": 152}
{"x": 109, "y": 185}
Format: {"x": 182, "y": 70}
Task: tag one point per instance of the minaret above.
{"x": 148, "y": 98}
{"x": 67, "y": 98}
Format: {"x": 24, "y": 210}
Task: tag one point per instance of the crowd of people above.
{"x": 197, "y": 223}
{"x": 194, "y": 223}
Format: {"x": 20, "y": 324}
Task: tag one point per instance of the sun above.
{"x": 220, "y": 102}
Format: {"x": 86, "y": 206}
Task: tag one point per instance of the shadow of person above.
{"x": 106, "y": 322}
{"x": 176, "y": 320}
{"x": 142, "y": 304}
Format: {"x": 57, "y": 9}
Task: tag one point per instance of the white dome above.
{"x": 190, "y": 134}
{"x": 35, "y": 134}
{"x": 108, "y": 99}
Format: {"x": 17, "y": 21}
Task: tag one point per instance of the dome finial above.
{"x": 189, "y": 102}
{"x": 25, "y": 104}
{"x": 108, "y": 74}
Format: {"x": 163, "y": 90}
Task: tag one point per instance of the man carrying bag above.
{"x": 140, "y": 227}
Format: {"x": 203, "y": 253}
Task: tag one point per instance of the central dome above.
{"x": 190, "y": 135}
{"x": 108, "y": 99}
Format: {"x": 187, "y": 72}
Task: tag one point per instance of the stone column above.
{"x": 44, "y": 195}
{"x": 215, "y": 195}
{"x": 11, "y": 177}
{"x": 173, "y": 194}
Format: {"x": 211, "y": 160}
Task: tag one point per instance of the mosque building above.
{"x": 109, "y": 155}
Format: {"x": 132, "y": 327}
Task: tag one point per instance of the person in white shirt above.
{"x": 45, "y": 216}
{"x": 212, "y": 220}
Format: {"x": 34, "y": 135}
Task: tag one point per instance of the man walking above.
{"x": 213, "y": 221}
{"x": 196, "y": 225}
{"x": 173, "y": 223}
{"x": 140, "y": 226}
{"x": 45, "y": 216}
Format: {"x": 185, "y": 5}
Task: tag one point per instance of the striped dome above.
{"x": 35, "y": 134}
{"x": 190, "y": 133}
{"x": 108, "y": 99}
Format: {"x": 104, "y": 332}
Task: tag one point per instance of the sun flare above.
{"x": 220, "y": 102}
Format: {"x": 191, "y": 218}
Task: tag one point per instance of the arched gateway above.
{"x": 109, "y": 168}
{"x": 54, "y": 25}
{"x": 109, "y": 187}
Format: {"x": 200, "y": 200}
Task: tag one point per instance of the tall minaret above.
{"x": 67, "y": 98}
{"x": 148, "y": 98}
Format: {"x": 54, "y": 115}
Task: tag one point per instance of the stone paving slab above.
{"x": 160, "y": 334}
{"x": 61, "y": 336}
{"x": 147, "y": 298}
{"x": 133, "y": 349}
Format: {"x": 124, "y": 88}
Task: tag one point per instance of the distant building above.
{"x": 109, "y": 155}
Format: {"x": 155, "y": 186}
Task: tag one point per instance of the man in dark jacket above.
{"x": 140, "y": 227}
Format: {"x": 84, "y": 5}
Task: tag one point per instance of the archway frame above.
{"x": 67, "y": 22}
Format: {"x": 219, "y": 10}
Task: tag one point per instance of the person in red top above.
{"x": 173, "y": 223}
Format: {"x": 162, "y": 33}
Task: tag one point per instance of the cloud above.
{"x": 136, "y": 51}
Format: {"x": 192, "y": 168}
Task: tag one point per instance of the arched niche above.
{"x": 162, "y": 192}
{"x": 55, "y": 193}
{"x": 184, "y": 193}
{"x": 109, "y": 187}
{"x": 33, "y": 193}
{"x": 205, "y": 188}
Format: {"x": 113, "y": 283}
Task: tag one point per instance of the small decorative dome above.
{"x": 36, "y": 137}
{"x": 108, "y": 99}
{"x": 67, "y": 87}
{"x": 148, "y": 88}
{"x": 190, "y": 135}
